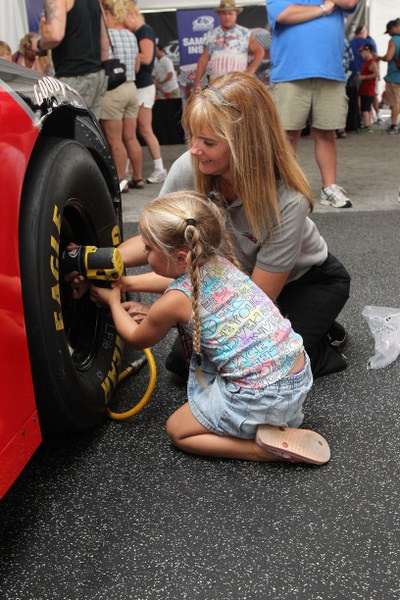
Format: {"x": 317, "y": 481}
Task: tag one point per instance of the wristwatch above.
{"x": 40, "y": 51}
{"x": 323, "y": 7}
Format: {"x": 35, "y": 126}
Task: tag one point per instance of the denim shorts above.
{"x": 225, "y": 408}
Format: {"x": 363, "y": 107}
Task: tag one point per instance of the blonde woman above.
{"x": 249, "y": 374}
{"x": 146, "y": 39}
{"x": 119, "y": 111}
{"x": 238, "y": 148}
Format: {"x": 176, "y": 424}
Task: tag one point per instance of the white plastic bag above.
{"x": 384, "y": 324}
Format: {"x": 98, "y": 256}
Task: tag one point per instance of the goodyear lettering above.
{"x": 54, "y": 262}
{"x": 46, "y": 86}
{"x": 110, "y": 381}
{"x": 55, "y": 271}
{"x": 115, "y": 236}
{"x": 57, "y": 219}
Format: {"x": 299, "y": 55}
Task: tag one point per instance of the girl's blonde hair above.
{"x": 133, "y": 9}
{"x": 192, "y": 222}
{"x": 238, "y": 108}
{"x": 4, "y": 48}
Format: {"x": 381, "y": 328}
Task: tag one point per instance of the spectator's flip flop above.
{"x": 294, "y": 445}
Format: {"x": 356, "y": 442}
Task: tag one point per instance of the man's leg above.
{"x": 293, "y": 137}
{"x": 325, "y": 155}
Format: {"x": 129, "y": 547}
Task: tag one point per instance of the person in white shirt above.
{"x": 165, "y": 76}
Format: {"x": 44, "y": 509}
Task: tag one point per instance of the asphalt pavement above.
{"x": 117, "y": 513}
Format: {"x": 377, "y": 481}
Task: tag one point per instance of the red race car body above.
{"x": 56, "y": 174}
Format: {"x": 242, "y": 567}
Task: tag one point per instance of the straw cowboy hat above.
{"x": 228, "y": 6}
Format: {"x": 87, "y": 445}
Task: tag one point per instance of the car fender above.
{"x": 31, "y": 105}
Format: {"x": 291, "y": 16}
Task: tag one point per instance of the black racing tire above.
{"x": 74, "y": 348}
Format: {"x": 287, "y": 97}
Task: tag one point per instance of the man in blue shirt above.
{"x": 360, "y": 38}
{"x": 308, "y": 81}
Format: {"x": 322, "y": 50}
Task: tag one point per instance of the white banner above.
{"x": 13, "y": 22}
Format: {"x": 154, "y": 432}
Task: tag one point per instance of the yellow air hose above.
{"x": 134, "y": 367}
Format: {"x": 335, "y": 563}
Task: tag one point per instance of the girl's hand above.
{"x": 105, "y": 296}
{"x": 79, "y": 283}
{"x": 136, "y": 310}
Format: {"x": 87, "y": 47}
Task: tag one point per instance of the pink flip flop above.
{"x": 294, "y": 445}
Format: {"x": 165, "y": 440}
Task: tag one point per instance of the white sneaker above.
{"x": 122, "y": 185}
{"x": 392, "y": 129}
{"x": 334, "y": 196}
{"x": 157, "y": 176}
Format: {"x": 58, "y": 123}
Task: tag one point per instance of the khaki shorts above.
{"x": 392, "y": 93}
{"x": 120, "y": 103}
{"x": 91, "y": 87}
{"x": 147, "y": 96}
{"x": 320, "y": 102}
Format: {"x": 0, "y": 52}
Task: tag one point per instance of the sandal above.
{"x": 341, "y": 135}
{"x": 294, "y": 445}
{"x": 136, "y": 184}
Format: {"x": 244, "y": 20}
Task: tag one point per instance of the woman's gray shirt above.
{"x": 295, "y": 244}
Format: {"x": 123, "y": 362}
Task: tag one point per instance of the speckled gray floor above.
{"x": 118, "y": 514}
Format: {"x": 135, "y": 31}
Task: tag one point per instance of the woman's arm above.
{"x": 137, "y": 63}
{"x": 146, "y": 51}
{"x": 270, "y": 283}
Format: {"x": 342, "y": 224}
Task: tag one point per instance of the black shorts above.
{"x": 366, "y": 103}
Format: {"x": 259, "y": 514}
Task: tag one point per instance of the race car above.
{"x": 59, "y": 357}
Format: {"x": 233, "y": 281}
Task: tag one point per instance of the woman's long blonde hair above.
{"x": 192, "y": 222}
{"x": 118, "y": 9}
{"x": 238, "y": 108}
{"x": 133, "y": 8}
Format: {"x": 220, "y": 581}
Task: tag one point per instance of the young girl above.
{"x": 249, "y": 374}
{"x": 5, "y": 51}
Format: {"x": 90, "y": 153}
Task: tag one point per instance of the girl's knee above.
{"x": 182, "y": 425}
{"x": 172, "y": 429}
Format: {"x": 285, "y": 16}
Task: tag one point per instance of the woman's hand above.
{"x": 79, "y": 283}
